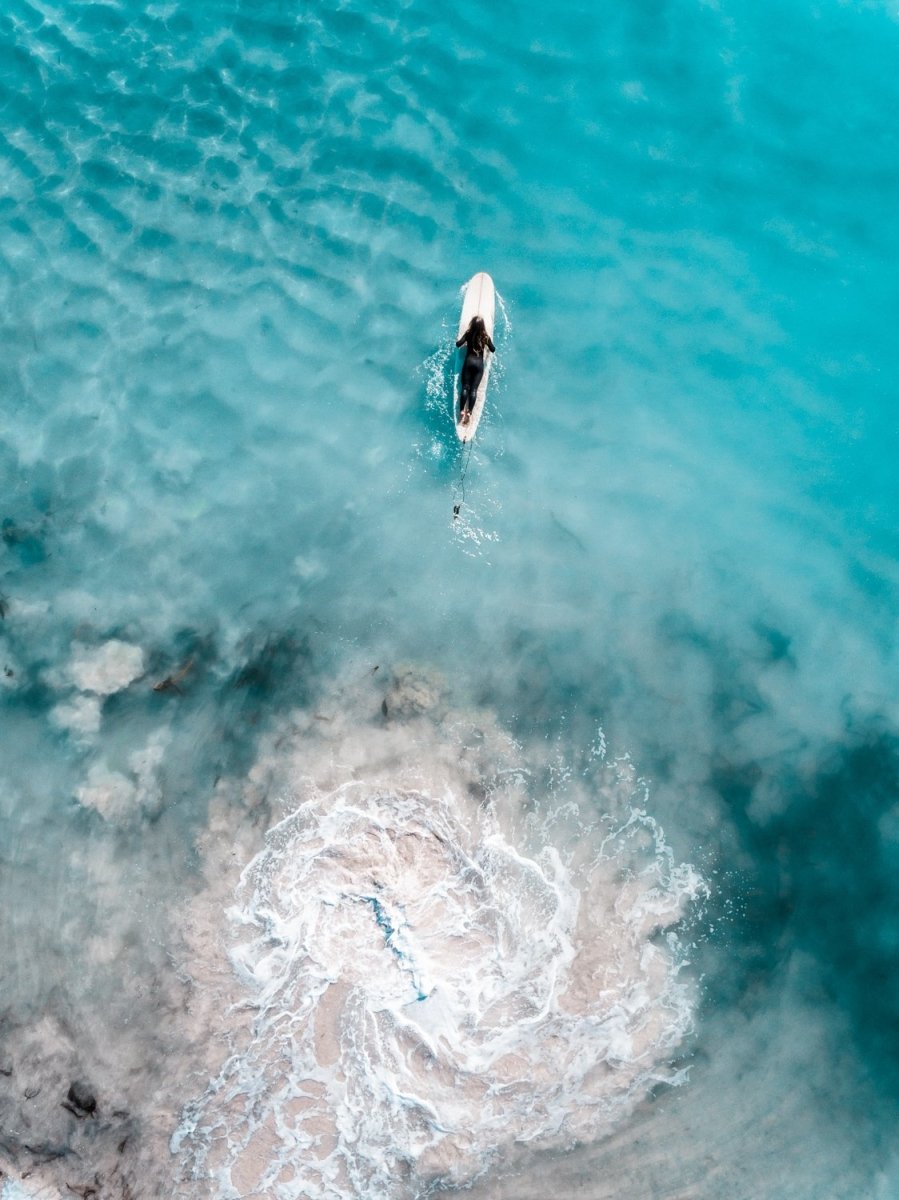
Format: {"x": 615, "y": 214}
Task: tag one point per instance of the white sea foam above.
{"x": 429, "y": 974}
{"x": 81, "y": 716}
{"x": 27, "y": 1189}
{"x": 107, "y": 668}
{"x": 118, "y": 796}
{"x": 110, "y": 793}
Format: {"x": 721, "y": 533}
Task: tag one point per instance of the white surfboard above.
{"x": 479, "y": 301}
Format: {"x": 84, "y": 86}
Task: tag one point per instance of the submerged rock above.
{"x": 55, "y": 1140}
{"x": 80, "y": 1097}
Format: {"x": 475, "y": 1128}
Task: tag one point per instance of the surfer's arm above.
{"x": 463, "y": 339}
{"x": 490, "y": 345}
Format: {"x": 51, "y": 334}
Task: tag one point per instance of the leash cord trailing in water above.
{"x": 460, "y": 486}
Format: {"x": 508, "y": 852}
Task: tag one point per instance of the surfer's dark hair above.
{"x": 477, "y": 332}
{"x": 476, "y": 337}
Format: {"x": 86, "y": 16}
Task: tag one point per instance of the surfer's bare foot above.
{"x": 466, "y": 417}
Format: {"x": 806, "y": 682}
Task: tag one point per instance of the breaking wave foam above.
{"x": 437, "y": 977}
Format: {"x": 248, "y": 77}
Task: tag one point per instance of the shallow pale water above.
{"x": 231, "y": 255}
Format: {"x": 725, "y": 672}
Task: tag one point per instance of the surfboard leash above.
{"x": 460, "y": 486}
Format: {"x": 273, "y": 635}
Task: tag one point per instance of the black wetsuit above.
{"x": 473, "y": 367}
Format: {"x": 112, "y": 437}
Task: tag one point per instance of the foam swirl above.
{"x": 433, "y": 983}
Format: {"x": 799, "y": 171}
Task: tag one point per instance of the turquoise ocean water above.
{"x": 232, "y": 244}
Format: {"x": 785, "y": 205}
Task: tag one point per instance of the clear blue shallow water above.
{"x": 232, "y": 244}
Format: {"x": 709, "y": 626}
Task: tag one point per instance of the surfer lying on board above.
{"x": 477, "y": 339}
